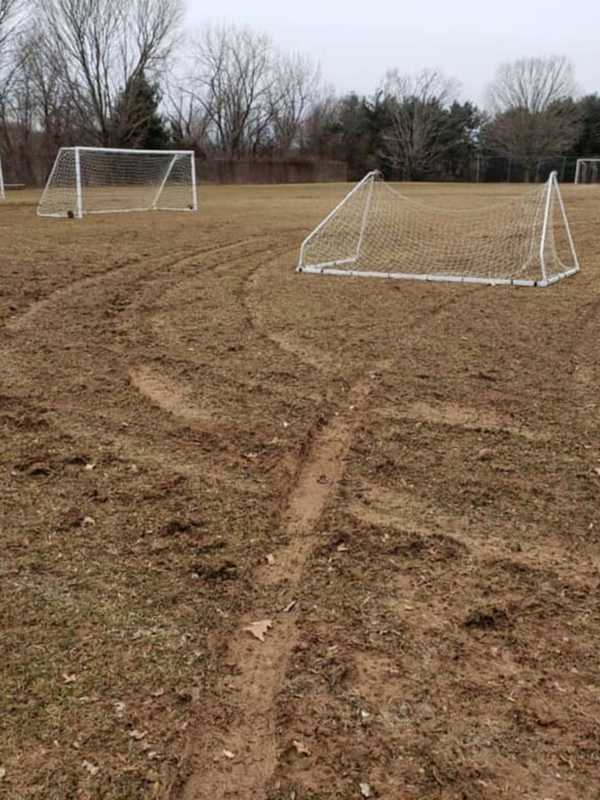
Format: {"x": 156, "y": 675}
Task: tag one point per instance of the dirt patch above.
{"x": 404, "y": 479}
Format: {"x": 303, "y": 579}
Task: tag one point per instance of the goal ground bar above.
{"x": 325, "y": 270}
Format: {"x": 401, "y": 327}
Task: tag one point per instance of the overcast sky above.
{"x": 356, "y": 41}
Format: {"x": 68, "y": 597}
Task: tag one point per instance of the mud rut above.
{"x": 260, "y": 667}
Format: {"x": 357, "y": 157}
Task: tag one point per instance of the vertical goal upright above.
{"x": 2, "y": 193}
{"x": 93, "y": 180}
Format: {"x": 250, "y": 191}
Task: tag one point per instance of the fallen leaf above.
{"x": 365, "y": 790}
{"x": 138, "y": 735}
{"x": 91, "y": 768}
{"x": 228, "y": 754}
{"x": 290, "y": 606}
{"x": 89, "y": 521}
{"x": 2, "y": 773}
{"x": 90, "y": 467}
{"x": 259, "y": 629}
{"x": 270, "y": 560}
{"x": 596, "y": 471}
{"x": 120, "y": 708}
{"x": 301, "y": 748}
{"x": 69, "y": 678}
{"x": 158, "y": 693}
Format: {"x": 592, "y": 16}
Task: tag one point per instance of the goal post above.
{"x": 376, "y": 231}
{"x": 587, "y": 170}
{"x": 2, "y": 192}
{"x": 95, "y": 180}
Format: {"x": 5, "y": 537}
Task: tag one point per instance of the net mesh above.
{"x": 108, "y": 181}
{"x": 588, "y": 171}
{"x": 379, "y": 231}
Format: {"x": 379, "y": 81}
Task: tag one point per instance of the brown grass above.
{"x": 170, "y": 400}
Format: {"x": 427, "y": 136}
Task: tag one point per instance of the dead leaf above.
{"x": 89, "y": 521}
{"x": 596, "y": 471}
{"x": 90, "y": 467}
{"x": 259, "y": 629}
{"x": 91, "y": 768}
{"x": 228, "y": 754}
{"x": 2, "y": 773}
{"x": 69, "y": 678}
{"x": 138, "y": 735}
{"x": 270, "y": 560}
{"x": 158, "y": 693}
{"x": 290, "y": 607}
{"x": 365, "y": 790}
{"x": 301, "y": 748}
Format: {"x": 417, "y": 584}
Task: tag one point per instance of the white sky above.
{"x": 356, "y": 41}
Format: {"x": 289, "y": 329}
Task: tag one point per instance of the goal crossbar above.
{"x": 377, "y": 232}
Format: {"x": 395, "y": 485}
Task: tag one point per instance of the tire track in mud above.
{"x": 161, "y": 391}
{"x": 21, "y": 320}
{"x": 262, "y": 666}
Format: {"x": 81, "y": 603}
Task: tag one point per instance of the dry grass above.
{"x": 166, "y": 380}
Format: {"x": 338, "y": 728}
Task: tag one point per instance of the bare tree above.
{"x": 188, "y": 119}
{"x": 232, "y": 82}
{"x": 535, "y": 115}
{"x": 252, "y": 97}
{"x": 9, "y": 22}
{"x": 416, "y": 139}
{"x": 296, "y": 86}
{"x": 102, "y": 45}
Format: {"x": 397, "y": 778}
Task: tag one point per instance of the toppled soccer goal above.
{"x": 378, "y": 232}
{"x": 94, "y": 180}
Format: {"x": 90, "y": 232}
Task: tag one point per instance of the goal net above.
{"x": 588, "y": 170}
{"x": 378, "y": 232}
{"x": 89, "y": 180}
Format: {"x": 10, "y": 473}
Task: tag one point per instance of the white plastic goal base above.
{"x": 436, "y": 278}
{"x": 96, "y": 180}
{"x": 377, "y": 232}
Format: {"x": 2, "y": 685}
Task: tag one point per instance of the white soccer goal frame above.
{"x": 333, "y": 267}
{"x": 80, "y": 211}
{"x": 2, "y": 191}
{"x": 580, "y": 163}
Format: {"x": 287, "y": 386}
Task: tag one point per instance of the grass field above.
{"x": 404, "y": 479}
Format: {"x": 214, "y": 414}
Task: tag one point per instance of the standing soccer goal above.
{"x": 2, "y": 193}
{"x": 94, "y": 180}
{"x": 378, "y": 232}
{"x": 587, "y": 170}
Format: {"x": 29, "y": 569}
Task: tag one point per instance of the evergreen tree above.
{"x": 588, "y": 143}
{"x": 136, "y": 121}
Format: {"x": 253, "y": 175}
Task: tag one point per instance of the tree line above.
{"x": 121, "y": 73}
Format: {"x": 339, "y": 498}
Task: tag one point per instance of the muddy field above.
{"x": 399, "y": 481}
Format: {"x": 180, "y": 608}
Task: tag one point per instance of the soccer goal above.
{"x": 587, "y": 170}
{"x": 378, "y": 232}
{"x": 2, "y": 194}
{"x": 92, "y": 180}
